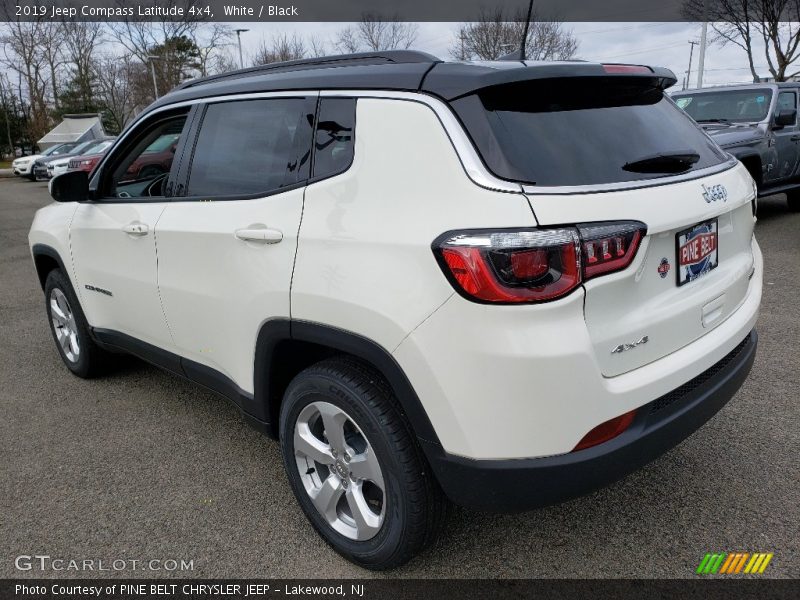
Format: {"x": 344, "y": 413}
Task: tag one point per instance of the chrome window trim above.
{"x": 465, "y": 149}
{"x": 535, "y": 190}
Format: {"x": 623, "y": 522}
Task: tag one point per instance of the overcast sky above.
{"x": 663, "y": 44}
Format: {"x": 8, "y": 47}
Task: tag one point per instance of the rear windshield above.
{"x": 567, "y": 132}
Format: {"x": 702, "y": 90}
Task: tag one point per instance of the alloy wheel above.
{"x": 64, "y": 325}
{"x": 339, "y": 471}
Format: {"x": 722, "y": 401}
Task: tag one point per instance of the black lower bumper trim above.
{"x": 523, "y": 484}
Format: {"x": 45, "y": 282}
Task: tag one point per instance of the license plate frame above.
{"x": 701, "y": 239}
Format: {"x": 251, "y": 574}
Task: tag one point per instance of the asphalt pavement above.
{"x": 143, "y": 466}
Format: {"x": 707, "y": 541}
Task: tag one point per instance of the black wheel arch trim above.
{"x": 380, "y": 359}
{"x": 260, "y": 407}
{"x": 38, "y": 250}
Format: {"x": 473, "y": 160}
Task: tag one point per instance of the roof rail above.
{"x": 339, "y": 60}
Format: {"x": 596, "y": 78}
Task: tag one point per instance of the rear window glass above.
{"x": 333, "y": 141}
{"x": 571, "y": 132}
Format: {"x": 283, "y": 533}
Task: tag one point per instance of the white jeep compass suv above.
{"x": 503, "y": 284}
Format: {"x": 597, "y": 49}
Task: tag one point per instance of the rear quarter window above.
{"x": 573, "y": 132}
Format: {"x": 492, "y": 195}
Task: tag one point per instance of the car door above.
{"x": 226, "y": 249}
{"x": 787, "y": 139}
{"x": 112, "y": 237}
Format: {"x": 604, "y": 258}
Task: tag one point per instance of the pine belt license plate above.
{"x": 697, "y": 251}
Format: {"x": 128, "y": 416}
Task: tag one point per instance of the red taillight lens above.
{"x": 535, "y": 265}
{"x": 606, "y": 431}
{"x": 509, "y": 267}
{"x": 627, "y": 69}
{"x": 609, "y": 247}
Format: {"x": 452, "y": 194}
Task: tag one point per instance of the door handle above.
{"x": 137, "y": 228}
{"x": 795, "y": 138}
{"x": 259, "y": 234}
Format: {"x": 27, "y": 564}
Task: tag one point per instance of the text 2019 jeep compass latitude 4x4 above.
{"x": 503, "y": 283}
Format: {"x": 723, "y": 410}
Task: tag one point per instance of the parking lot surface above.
{"x": 141, "y": 465}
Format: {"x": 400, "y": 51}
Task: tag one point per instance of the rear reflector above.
{"x": 606, "y": 431}
{"x": 628, "y": 69}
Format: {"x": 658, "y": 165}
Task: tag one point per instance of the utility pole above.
{"x": 153, "y": 60}
{"x": 691, "y": 52}
{"x": 702, "y": 60}
{"x": 239, "y": 33}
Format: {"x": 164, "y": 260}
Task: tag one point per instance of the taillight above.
{"x": 534, "y": 265}
{"x": 609, "y": 247}
{"x": 606, "y": 431}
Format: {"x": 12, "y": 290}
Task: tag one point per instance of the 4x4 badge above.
{"x": 715, "y": 193}
{"x": 625, "y": 347}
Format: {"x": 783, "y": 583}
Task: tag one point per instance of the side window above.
{"x": 334, "y": 140}
{"x": 787, "y": 100}
{"x": 142, "y": 170}
{"x": 252, "y": 147}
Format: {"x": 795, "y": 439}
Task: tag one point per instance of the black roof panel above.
{"x": 403, "y": 70}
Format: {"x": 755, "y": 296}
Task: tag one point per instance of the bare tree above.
{"x": 494, "y": 35}
{"x": 375, "y": 33}
{"x": 280, "y": 48}
{"x": 171, "y": 42}
{"x": 81, "y": 41}
{"x": 22, "y": 44}
{"x": 211, "y": 41}
{"x": 223, "y": 62}
{"x": 117, "y": 78}
{"x": 775, "y": 23}
{"x": 317, "y": 47}
{"x": 7, "y": 105}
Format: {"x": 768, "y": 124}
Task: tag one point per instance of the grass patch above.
{"x": 5, "y": 164}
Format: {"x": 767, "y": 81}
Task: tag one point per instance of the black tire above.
{"x": 415, "y": 507}
{"x": 91, "y": 360}
{"x": 793, "y": 200}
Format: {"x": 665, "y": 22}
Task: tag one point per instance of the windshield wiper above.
{"x": 667, "y": 162}
{"x": 713, "y": 121}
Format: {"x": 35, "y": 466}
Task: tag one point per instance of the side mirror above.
{"x": 785, "y": 117}
{"x": 72, "y": 186}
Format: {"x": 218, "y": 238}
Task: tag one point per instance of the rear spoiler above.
{"x": 454, "y": 80}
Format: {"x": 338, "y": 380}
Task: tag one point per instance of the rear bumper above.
{"x": 521, "y": 484}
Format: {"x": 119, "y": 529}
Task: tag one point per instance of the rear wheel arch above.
{"x": 285, "y": 348}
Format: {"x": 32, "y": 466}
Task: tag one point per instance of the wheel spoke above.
{"x": 307, "y": 444}
{"x": 57, "y": 313}
{"x": 327, "y": 497}
{"x": 64, "y": 341}
{"x": 367, "y": 522}
{"x": 334, "y": 419}
{"x": 64, "y": 305}
{"x": 365, "y": 466}
{"x": 73, "y": 343}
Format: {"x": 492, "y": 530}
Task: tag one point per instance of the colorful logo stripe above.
{"x": 733, "y": 563}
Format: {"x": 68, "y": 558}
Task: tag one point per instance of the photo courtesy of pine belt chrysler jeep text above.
{"x": 500, "y": 284}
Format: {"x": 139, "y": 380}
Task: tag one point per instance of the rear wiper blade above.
{"x": 667, "y": 162}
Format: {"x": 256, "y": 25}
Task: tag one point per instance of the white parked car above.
{"x": 501, "y": 284}
{"x": 61, "y": 165}
{"x": 23, "y": 166}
